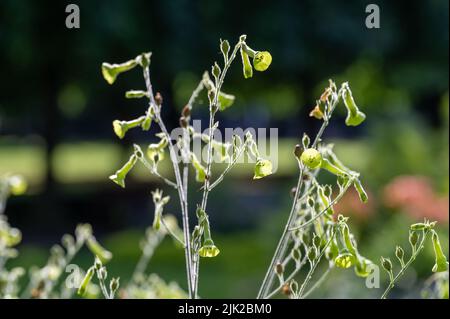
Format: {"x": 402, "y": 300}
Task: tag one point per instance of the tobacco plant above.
{"x": 314, "y": 232}
{"x": 198, "y": 242}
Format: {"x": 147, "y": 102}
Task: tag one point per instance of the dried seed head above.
{"x": 286, "y": 290}
{"x": 158, "y": 99}
{"x": 298, "y": 151}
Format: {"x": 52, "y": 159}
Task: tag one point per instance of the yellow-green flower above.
{"x": 111, "y": 71}
{"x": 208, "y": 249}
{"x": 17, "y": 185}
{"x": 441, "y": 264}
{"x": 345, "y": 259}
{"x": 311, "y": 158}
{"x": 262, "y": 60}
{"x": 119, "y": 176}
{"x": 263, "y": 168}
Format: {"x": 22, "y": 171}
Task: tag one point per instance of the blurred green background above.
{"x": 56, "y": 113}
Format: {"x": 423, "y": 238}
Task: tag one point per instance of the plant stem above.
{"x": 176, "y": 168}
{"x": 212, "y": 111}
{"x": 314, "y": 266}
{"x": 334, "y": 201}
{"x": 282, "y": 244}
{"x": 392, "y": 281}
{"x": 317, "y": 283}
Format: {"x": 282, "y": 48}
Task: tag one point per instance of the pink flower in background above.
{"x": 415, "y": 195}
{"x": 350, "y": 204}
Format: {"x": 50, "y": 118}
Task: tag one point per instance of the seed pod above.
{"x": 317, "y": 241}
{"x": 215, "y": 71}
{"x": 399, "y": 253}
{"x": 225, "y": 48}
{"x": 158, "y": 99}
{"x": 387, "y": 264}
{"x": 279, "y": 269}
{"x": 312, "y": 253}
{"x": 298, "y": 151}
{"x": 296, "y": 254}
{"x": 413, "y": 238}
{"x": 114, "y": 284}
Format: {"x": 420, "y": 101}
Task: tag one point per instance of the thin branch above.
{"x": 402, "y": 271}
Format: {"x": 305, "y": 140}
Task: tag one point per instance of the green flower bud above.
{"x": 441, "y": 264}
{"x": 262, "y": 61}
{"x": 246, "y": 66}
{"x": 360, "y": 189}
{"x": 400, "y": 253}
{"x": 111, "y": 71}
{"x": 208, "y": 249}
{"x": 225, "y": 48}
{"x": 296, "y": 254}
{"x": 97, "y": 249}
{"x": 311, "y": 158}
{"x": 263, "y": 168}
{"x": 119, "y": 176}
{"x": 135, "y": 94}
{"x": 85, "y": 282}
{"x": 354, "y": 115}
{"x": 215, "y": 70}
{"x": 17, "y": 185}
{"x": 312, "y": 253}
{"x": 413, "y": 239}
{"x": 387, "y": 264}
{"x": 317, "y": 241}
{"x": 114, "y": 284}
